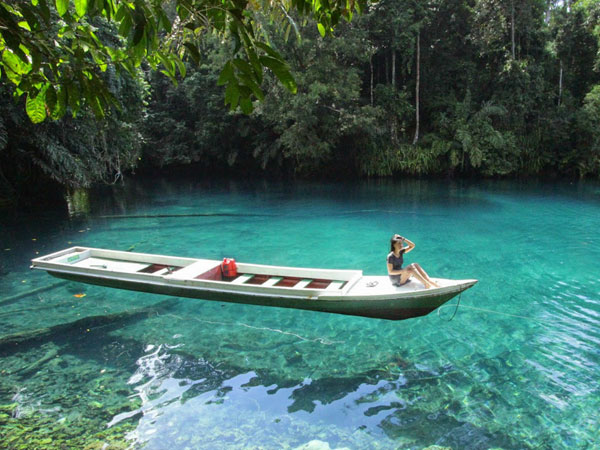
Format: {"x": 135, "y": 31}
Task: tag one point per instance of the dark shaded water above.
{"x": 516, "y": 368}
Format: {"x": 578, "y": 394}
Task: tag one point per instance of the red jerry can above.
{"x": 228, "y": 267}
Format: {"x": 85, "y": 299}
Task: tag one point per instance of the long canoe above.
{"x": 334, "y": 291}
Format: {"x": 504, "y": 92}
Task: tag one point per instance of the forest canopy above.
{"x": 443, "y": 87}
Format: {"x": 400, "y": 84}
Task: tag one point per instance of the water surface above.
{"x": 517, "y": 367}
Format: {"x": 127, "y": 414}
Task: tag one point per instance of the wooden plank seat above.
{"x": 193, "y": 270}
{"x": 272, "y": 281}
{"x": 335, "y": 285}
{"x": 242, "y": 278}
{"x": 303, "y": 283}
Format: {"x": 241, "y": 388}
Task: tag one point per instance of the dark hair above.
{"x": 395, "y": 238}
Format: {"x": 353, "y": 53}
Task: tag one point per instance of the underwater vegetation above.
{"x": 39, "y": 431}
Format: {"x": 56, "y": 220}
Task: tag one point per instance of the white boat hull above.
{"x": 335, "y": 291}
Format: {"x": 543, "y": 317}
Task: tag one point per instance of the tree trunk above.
{"x": 387, "y": 69}
{"x": 417, "y": 87}
{"x": 371, "y": 66}
{"x": 512, "y": 28}
{"x": 560, "y": 83}
{"x": 394, "y": 127}
{"x": 394, "y": 68}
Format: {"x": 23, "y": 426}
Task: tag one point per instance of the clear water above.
{"x": 517, "y": 367}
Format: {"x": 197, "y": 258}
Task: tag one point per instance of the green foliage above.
{"x": 71, "y": 67}
{"x": 74, "y": 152}
{"x": 588, "y": 162}
{"x": 506, "y": 88}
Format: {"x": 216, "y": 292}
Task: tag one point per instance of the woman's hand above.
{"x": 409, "y": 243}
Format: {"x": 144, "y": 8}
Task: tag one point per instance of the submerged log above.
{"x": 18, "y": 341}
{"x": 14, "y": 298}
{"x": 153, "y": 216}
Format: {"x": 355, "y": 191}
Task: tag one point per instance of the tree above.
{"x": 55, "y": 56}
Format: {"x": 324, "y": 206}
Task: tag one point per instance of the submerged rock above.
{"x": 316, "y": 444}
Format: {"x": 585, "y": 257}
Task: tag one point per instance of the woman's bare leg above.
{"x": 412, "y": 271}
{"x": 421, "y": 272}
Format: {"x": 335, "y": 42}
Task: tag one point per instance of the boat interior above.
{"x": 185, "y": 268}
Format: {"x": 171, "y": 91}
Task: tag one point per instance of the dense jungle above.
{"x": 450, "y": 88}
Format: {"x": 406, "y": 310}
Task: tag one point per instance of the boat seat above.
{"x": 302, "y": 284}
{"x": 161, "y": 271}
{"x": 335, "y": 285}
{"x": 272, "y": 281}
{"x": 243, "y": 278}
{"x": 194, "y": 269}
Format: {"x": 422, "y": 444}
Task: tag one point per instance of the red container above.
{"x": 228, "y": 267}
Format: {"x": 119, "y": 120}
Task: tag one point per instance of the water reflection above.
{"x": 78, "y": 202}
{"x": 181, "y": 394}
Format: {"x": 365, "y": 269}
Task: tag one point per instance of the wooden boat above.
{"x": 334, "y": 291}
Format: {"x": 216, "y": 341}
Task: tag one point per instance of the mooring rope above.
{"x": 455, "y": 310}
{"x": 491, "y": 311}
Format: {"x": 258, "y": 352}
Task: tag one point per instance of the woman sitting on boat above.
{"x": 395, "y": 259}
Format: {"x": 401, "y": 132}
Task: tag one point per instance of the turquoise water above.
{"x": 517, "y": 367}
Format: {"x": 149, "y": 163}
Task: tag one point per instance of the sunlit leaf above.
{"x": 81, "y": 7}
{"x": 62, "y": 6}
{"x": 14, "y": 66}
{"x": 321, "y": 29}
{"x": 35, "y": 106}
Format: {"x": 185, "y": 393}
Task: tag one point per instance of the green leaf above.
{"x": 268, "y": 50}
{"x": 246, "y": 105}
{"x": 36, "y": 106}
{"x": 25, "y": 25}
{"x": 321, "y": 29}
{"x": 226, "y": 74}
{"x": 281, "y": 71}
{"x": 166, "y": 62}
{"x": 126, "y": 24}
{"x": 192, "y": 50}
{"x": 94, "y": 102}
{"x": 243, "y": 66}
{"x": 14, "y": 66}
{"x": 180, "y": 66}
{"x": 232, "y": 94}
{"x": 121, "y": 11}
{"x": 62, "y": 6}
{"x": 81, "y": 7}
{"x": 170, "y": 75}
{"x": 255, "y": 88}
